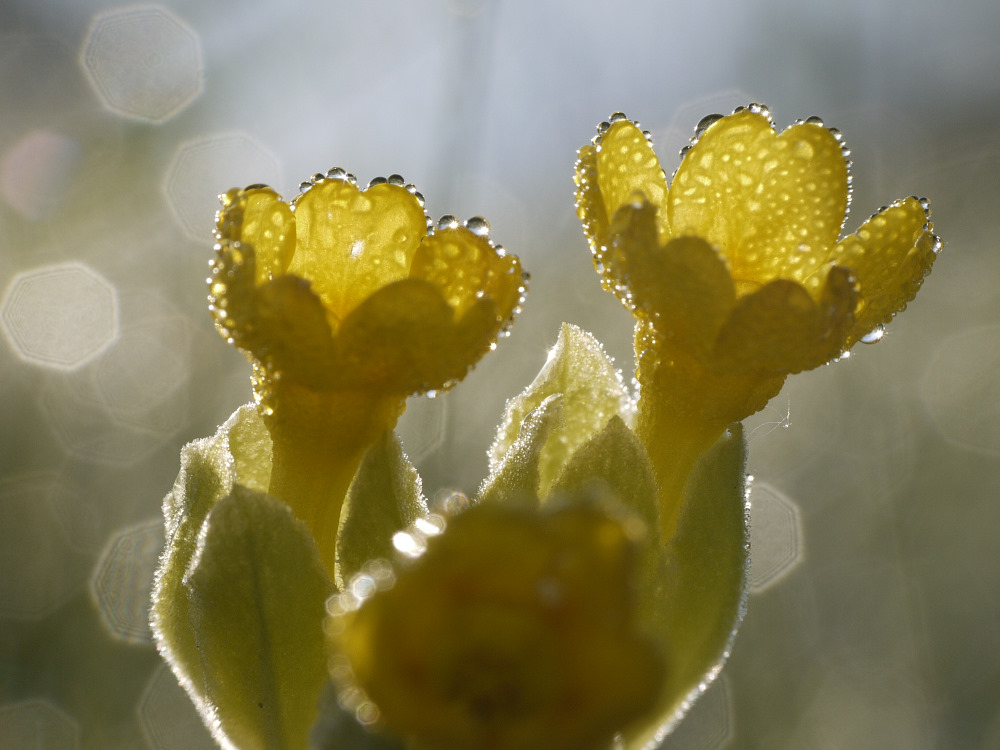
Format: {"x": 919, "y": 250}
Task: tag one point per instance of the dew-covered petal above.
{"x": 257, "y": 216}
{"x": 402, "y": 339}
{"x": 626, "y": 165}
{"x": 684, "y": 286}
{"x": 467, "y": 267}
{"x": 288, "y": 333}
{"x": 780, "y": 329}
{"x": 774, "y": 204}
{"x": 351, "y": 242}
{"x": 590, "y": 207}
{"x": 889, "y": 255}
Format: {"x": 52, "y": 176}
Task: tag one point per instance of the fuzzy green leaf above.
{"x": 613, "y": 462}
{"x": 515, "y": 479}
{"x": 209, "y": 470}
{"x": 694, "y": 596}
{"x": 592, "y": 391}
{"x": 257, "y": 593}
{"x": 384, "y": 498}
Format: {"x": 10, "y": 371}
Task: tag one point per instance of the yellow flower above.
{"x": 345, "y": 289}
{"x": 346, "y": 304}
{"x": 514, "y": 629}
{"x": 735, "y": 272}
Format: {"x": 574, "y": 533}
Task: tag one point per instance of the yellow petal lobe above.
{"x": 683, "y": 284}
{"x": 352, "y": 242}
{"x": 890, "y": 255}
{"x": 467, "y": 267}
{"x": 772, "y": 203}
{"x": 626, "y": 165}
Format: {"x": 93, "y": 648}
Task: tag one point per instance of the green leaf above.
{"x": 694, "y": 596}
{"x": 209, "y": 469}
{"x": 613, "y": 462}
{"x": 592, "y": 391}
{"x": 515, "y": 479}
{"x": 384, "y": 498}
{"x": 257, "y": 593}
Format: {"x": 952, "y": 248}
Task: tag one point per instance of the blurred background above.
{"x": 874, "y": 620}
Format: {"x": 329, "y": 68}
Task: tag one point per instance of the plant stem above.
{"x": 319, "y": 439}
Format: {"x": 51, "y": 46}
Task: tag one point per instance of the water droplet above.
{"x": 304, "y": 186}
{"x": 395, "y": 179}
{"x": 318, "y": 177}
{"x": 447, "y": 222}
{"x": 603, "y": 128}
{"x": 814, "y": 120}
{"x": 874, "y": 335}
{"x": 431, "y": 394}
{"x": 377, "y": 181}
{"x": 255, "y": 186}
{"x": 478, "y": 226}
{"x": 617, "y": 117}
{"x": 924, "y": 204}
{"x": 704, "y": 123}
{"x": 337, "y": 173}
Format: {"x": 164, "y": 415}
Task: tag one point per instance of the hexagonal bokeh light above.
{"x": 143, "y": 62}
{"x": 205, "y": 167}
{"x": 775, "y": 536}
{"x": 59, "y": 316}
{"x": 122, "y": 582}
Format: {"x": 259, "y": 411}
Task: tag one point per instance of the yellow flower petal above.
{"x": 287, "y": 332}
{"x": 771, "y": 203}
{"x": 684, "y": 285}
{"x": 257, "y": 216}
{"x": 780, "y": 329}
{"x": 626, "y": 165}
{"x": 890, "y": 255}
{"x": 618, "y": 169}
{"x": 402, "y": 339}
{"x": 351, "y": 242}
{"x": 467, "y": 267}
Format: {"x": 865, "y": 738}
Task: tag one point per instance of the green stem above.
{"x": 319, "y": 439}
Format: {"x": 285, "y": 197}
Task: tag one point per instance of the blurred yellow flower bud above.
{"x": 514, "y": 629}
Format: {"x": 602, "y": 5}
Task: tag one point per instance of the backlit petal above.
{"x": 684, "y": 285}
{"x": 467, "y": 267}
{"x": 890, "y": 255}
{"x": 772, "y": 203}
{"x": 780, "y": 329}
{"x": 352, "y": 242}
